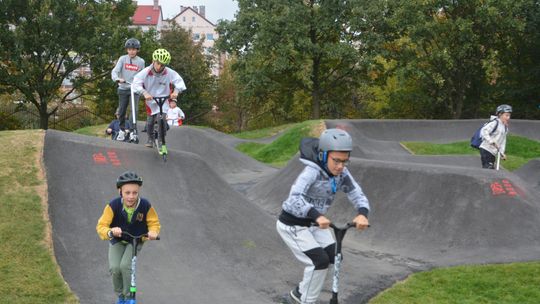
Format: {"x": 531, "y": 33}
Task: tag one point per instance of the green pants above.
{"x": 120, "y": 255}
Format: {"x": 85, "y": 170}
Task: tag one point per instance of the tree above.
{"x": 516, "y": 77}
{"x": 45, "y": 43}
{"x": 289, "y": 48}
{"x": 193, "y": 66}
{"x": 104, "y": 90}
{"x": 445, "y": 56}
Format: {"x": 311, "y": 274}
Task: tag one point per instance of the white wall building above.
{"x": 190, "y": 18}
{"x": 193, "y": 19}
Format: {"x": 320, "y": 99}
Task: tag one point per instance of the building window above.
{"x": 193, "y": 19}
{"x": 196, "y": 36}
{"x": 148, "y": 18}
{"x": 184, "y": 19}
{"x": 209, "y": 36}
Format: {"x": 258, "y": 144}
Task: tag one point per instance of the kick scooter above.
{"x": 134, "y": 135}
{"x": 498, "y": 163}
{"x": 339, "y": 232}
{"x": 135, "y": 240}
{"x": 159, "y": 132}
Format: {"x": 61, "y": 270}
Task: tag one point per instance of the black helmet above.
{"x": 128, "y": 177}
{"x": 132, "y": 43}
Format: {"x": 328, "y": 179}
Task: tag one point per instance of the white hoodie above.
{"x": 491, "y": 136}
{"x": 157, "y": 85}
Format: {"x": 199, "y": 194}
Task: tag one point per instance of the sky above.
{"x": 215, "y": 9}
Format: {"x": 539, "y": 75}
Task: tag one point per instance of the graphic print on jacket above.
{"x": 315, "y": 188}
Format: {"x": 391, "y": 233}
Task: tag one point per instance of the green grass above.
{"x": 519, "y": 150}
{"x": 504, "y": 283}
{"x": 262, "y": 133}
{"x": 97, "y": 130}
{"x": 280, "y": 151}
{"x": 27, "y": 270}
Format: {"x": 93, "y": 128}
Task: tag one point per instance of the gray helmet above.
{"x": 128, "y": 177}
{"x": 504, "y": 108}
{"x": 132, "y": 43}
{"x": 335, "y": 140}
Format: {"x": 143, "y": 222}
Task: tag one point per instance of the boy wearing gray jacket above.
{"x": 494, "y": 137}
{"x": 310, "y": 197}
{"x": 125, "y": 69}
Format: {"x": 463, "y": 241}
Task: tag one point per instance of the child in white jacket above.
{"x": 494, "y": 137}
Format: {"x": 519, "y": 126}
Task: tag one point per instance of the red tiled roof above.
{"x": 143, "y": 12}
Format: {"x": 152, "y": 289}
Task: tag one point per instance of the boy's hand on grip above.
{"x": 323, "y": 222}
{"x": 152, "y": 235}
{"x": 361, "y": 222}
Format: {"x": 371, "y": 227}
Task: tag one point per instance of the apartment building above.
{"x": 190, "y": 18}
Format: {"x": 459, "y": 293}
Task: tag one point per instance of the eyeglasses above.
{"x": 341, "y": 161}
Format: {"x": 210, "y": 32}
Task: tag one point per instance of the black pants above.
{"x": 124, "y": 98}
{"x": 152, "y": 120}
{"x": 488, "y": 159}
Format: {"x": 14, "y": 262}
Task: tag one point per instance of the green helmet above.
{"x": 162, "y": 56}
{"x": 128, "y": 177}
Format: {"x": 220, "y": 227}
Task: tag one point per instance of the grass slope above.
{"x": 28, "y": 271}
{"x": 97, "y": 130}
{"x": 519, "y": 150}
{"x": 280, "y": 151}
{"x": 505, "y": 283}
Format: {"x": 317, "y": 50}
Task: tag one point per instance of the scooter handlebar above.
{"x": 139, "y": 236}
{"x": 345, "y": 227}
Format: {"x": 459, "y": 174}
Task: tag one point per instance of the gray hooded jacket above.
{"x": 315, "y": 189}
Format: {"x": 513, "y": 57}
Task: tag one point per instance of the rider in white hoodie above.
{"x": 157, "y": 80}
{"x": 494, "y": 136}
{"x": 309, "y": 199}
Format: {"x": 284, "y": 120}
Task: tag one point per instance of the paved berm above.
{"x": 218, "y": 210}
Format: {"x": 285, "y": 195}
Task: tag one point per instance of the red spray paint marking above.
{"x": 101, "y": 159}
{"x": 113, "y": 158}
{"x": 504, "y": 187}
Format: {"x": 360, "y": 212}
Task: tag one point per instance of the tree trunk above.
{"x": 43, "y": 115}
{"x": 315, "y": 81}
{"x": 315, "y": 91}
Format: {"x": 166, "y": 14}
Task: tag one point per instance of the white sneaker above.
{"x": 121, "y": 135}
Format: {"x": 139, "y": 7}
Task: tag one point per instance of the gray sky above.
{"x": 215, "y": 9}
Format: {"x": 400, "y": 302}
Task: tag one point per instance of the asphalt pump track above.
{"x": 218, "y": 210}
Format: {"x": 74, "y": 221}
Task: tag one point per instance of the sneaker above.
{"x": 296, "y": 295}
{"x": 163, "y": 150}
{"x": 121, "y": 135}
{"x": 121, "y": 300}
{"x": 130, "y": 301}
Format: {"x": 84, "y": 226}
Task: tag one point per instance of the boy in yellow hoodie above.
{"x": 130, "y": 213}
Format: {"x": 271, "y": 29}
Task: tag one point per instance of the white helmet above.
{"x": 504, "y": 108}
